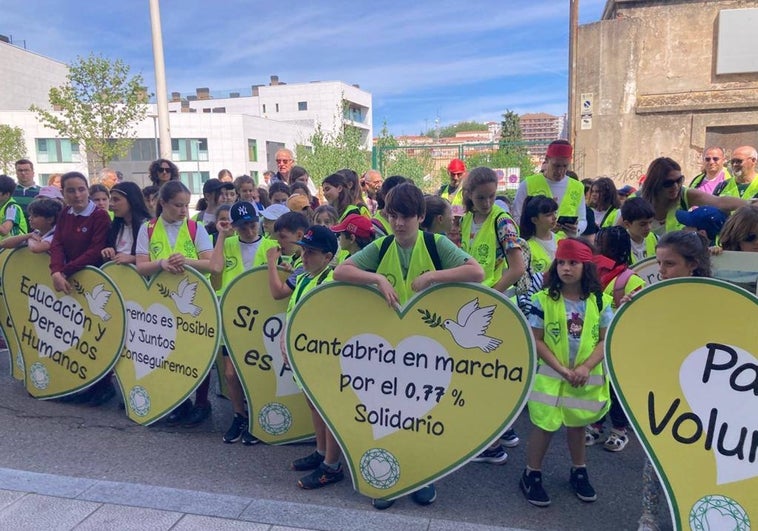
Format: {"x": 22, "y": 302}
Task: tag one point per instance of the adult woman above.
{"x": 663, "y": 188}
{"x": 604, "y": 201}
{"x": 162, "y": 171}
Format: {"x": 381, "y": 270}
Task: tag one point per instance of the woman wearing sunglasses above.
{"x": 664, "y": 189}
{"x": 162, "y": 170}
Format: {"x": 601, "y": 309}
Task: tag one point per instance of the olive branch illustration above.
{"x": 431, "y": 319}
{"x": 163, "y": 290}
{"x": 77, "y": 286}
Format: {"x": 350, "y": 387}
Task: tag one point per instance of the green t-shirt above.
{"x": 451, "y": 256}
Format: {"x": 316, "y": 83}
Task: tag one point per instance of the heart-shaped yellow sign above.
{"x": 11, "y": 341}
{"x": 172, "y": 334}
{"x": 688, "y": 380}
{"x": 253, "y": 329}
{"x": 409, "y": 394}
{"x": 68, "y": 342}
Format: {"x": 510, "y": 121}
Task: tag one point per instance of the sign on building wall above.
{"x": 587, "y": 102}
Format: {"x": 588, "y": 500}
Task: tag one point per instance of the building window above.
{"x": 302, "y": 105}
{"x": 143, "y": 149}
{"x": 264, "y": 108}
{"x": 189, "y": 149}
{"x": 254, "y": 174}
{"x": 277, "y": 107}
{"x": 57, "y": 150}
{"x": 252, "y": 150}
{"x": 194, "y": 180}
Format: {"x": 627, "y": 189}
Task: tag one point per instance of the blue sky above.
{"x": 452, "y": 60}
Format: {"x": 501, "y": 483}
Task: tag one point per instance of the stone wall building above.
{"x": 664, "y": 78}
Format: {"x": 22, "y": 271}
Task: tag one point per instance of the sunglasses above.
{"x": 750, "y": 238}
{"x": 670, "y": 183}
{"x": 164, "y": 170}
{"x": 714, "y": 159}
{"x": 282, "y": 161}
{"x": 737, "y": 161}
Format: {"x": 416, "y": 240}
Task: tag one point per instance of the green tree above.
{"x": 98, "y": 108}
{"x": 327, "y": 152}
{"x": 12, "y": 146}
{"x": 450, "y": 130}
{"x": 414, "y": 163}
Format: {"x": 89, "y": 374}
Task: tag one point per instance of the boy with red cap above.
{"x": 453, "y": 192}
{"x": 354, "y": 233}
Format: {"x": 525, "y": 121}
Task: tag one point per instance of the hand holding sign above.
{"x": 408, "y": 393}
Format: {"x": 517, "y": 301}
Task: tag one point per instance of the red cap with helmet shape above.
{"x": 456, "y": 166}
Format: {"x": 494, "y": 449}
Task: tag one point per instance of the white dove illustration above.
{"x": 184, "y": 296}
{"x": 472, "y": 324}
{"x": 97, "y": 301}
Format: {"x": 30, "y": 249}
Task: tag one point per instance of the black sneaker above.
{"x": 380, "y": 504}
{"x": 248, "y": 439}
{"x": 321, "y": 477}
{"x": 309, "y": 462}
{"x": 495, "y": 456}
{"x": 580, "y": 481}
{"x": 234, "y": 433}
{"x": 510, "y": 439}
{"x": 179, "y": 413}
{"x": 197, "y": 415}
{"x": 425, "y": 495}
{"x": 531, "y": 486}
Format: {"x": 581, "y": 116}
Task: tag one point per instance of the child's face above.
{"x": 176, "y": 208}
{"x": 247, "y": 231}
{"x": 41, "y": 223}
{"x": 445, "y": 221}
{"x": 483, "y": 197}
{"x": 224, "y": 215}
{"x": 639, "y": 228}
{"x": 314, "y": 260}
{"x": 119, "y": 205}
{"x": 749, "y": 244}
{"x": 331, "y": 193}
{"x": 248, "y": 192}
{"x": 546, "y": 221}
{"x": 227, "y": 197}
{"x": 324, "y": 219}
{"x": 76, "y": 194}
{"x": 288, "y": 240}
{"x": 101, "y": 200}
{"x": 673, "y": 264}
{"x": 151, "y": 200}
{"x": 404, "y": 227}
{"x": 268, "y": 227}
{"x": 570, "y": 271}
{"x": 279, "y": 198}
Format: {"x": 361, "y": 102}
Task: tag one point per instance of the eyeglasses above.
{"x": 164, "y": 170}
{"x": 737, "y": 161}
{"x": 282, "y": 161}
{"x": 750, "y": 238}
{"x": 714, "y": 159}
{"x": 670, "y": 183}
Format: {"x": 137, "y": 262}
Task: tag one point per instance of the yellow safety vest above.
{"x": 570, "y": 202}
{"x": 304, "y": 283}
{"x": 389, "y": 265}
{"x": 233, "y": 262}
{"x": 384, "y": 222}
{"x": 541, "y": 260}
{"x": 651, "y": 240}
{"x": 260, "y": 253}
{"x": 553, "y": 402}
{"x": 457, "y": 196}
{"x": 731, "y": 189}
{"x": 160, "y": 247}
{"x": 19, "y": 223}
{"x": 485, "y": 244}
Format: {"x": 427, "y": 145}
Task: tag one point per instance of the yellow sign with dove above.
{"x": 172, "y": 335}
{"x": 68, "y": 342}
{"x": 691, "y": 392}
{"x": 408, "y": 393}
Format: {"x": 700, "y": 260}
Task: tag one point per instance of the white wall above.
{"x": 27, "y": 78}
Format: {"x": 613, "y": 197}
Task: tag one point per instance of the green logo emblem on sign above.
{"x": 39, "y": 376}
{"x": 139, "y": 400}
{"x": 380, "y": 468}
{"x": 275, "y": 418}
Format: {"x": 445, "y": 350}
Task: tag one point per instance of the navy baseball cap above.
{"x": 707, "y": 218}
{"x": 321, "y": 238}
{"x": 243, "y": 211}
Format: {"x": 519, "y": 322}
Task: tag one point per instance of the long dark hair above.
{"x": 590, "y": 282}
{"x": 534, "y": 205}
{"x": 615, "y": 243}
{"x": 137, "y": 209}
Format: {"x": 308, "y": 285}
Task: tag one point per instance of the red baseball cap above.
{"x": 456, "y": 166}
{"x": 355, "y": 224}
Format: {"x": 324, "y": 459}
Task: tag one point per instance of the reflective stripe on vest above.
{"x": 160, "y": 247}
{"x": 553, "y": 402}
{"x": 419, "y": 264}
{"x": 570, "y": 202}
{"x": 485, "y": 244}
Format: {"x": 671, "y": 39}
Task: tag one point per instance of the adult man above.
{"x": 744, "y": 184}
{"x": 713, "y": 173}
{"x": 27, "y": 189}
{"x": 568, "y": 193}
{"x": 108, "y": 177}
{"x": 285, "y": 159}
{"x": 371, "y": 183}
{"x": 453, "y": 191}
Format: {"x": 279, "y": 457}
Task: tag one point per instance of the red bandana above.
{"x": 563, "y": 151}
{"x": 577, "y": 251}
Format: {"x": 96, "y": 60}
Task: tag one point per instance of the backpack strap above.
{"x": 720, "y": 187}
{"x": 431, "y": 247}
{"x": 619, "y": 285}
{"x": 384, "y": 247}
{"x": 599, "y": 300}
{"x": 151, "y": 228}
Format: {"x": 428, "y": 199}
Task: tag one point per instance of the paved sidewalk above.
{"x": 31, "y": 501}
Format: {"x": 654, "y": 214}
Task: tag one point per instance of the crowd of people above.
{"x": 561, "y": 249}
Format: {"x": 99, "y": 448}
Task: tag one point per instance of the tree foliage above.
{"x": 413, "y": 163}
{"x": 327, "y": 152}
{"x": 12, "y": 147}
{"x": 98, "y": 107}
{"x": 450, "y": 130}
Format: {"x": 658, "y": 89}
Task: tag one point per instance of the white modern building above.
{"x": 209, "y": 132}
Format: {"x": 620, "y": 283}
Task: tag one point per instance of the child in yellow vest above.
{"x": 398, "y": 270}
{"x": 169, "y": 243}
{"x": 569, "y": 320}
{"x": 233, "y": 255}
{"x": 269, "y": 216}
{"x": 637, "y": 216}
